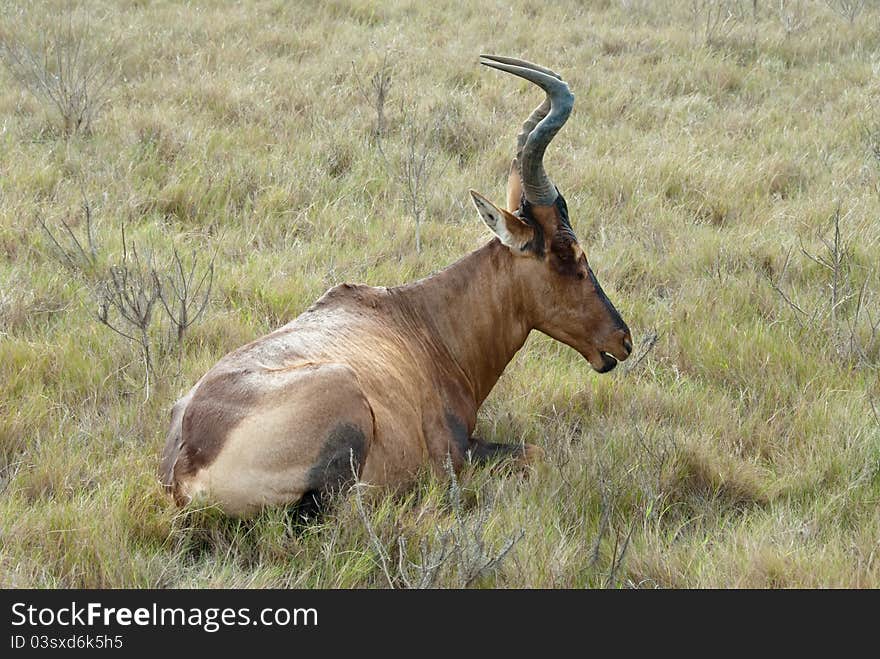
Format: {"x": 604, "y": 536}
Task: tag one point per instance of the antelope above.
{"x": 374, "y": 383}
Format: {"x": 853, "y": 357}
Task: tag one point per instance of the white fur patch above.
{"x": 494, "y": 219}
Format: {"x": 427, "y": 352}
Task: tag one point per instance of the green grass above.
{"x": 741, "y": 451}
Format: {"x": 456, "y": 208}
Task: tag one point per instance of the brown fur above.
{"x": 376, "y": 382}
{"x": 396, "y": 363}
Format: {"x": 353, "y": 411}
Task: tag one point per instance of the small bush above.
{"x": 68, "y": 70}
{"x": 459, "y": 549}
{"x": 844, "y": 313}
{"x": 849, "y": 10}
{"x": 131, "y": 289}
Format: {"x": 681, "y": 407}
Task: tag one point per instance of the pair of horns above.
{"x": 541, "y": 126}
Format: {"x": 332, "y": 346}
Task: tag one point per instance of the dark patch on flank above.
{"x": 332, "y": 470}
{"x": 308, "y": 510}
{"x": 483, "y": 452}
{"x": 216, "y": 407}
{"x": 460, "y": 438}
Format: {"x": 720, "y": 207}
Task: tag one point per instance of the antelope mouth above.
{"x": 600, "y": 361}
{"x": 608, "y": 363}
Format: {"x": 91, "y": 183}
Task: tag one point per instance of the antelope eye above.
{"x": 582, "y": 274}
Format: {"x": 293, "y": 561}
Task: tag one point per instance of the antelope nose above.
{"x": 620, "y": 344}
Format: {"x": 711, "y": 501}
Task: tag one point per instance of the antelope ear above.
{"x": 512, "y": 231}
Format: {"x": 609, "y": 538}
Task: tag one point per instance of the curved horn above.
{"x": 541, "y": 126}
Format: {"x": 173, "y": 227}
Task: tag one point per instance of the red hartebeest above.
{"x": 388, "y": 379}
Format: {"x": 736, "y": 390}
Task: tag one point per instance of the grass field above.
{"x": 704, "y": 166}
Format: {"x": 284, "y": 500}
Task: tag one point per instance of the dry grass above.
{"x": 741, "y": 451}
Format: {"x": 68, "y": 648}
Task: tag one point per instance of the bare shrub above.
{"x": 793, "y": 16}
{"x": 413, "y": 162}
{"x": 634, "y": 494}
{"x": 385, "y": 562}
{"x": 459, "y": 551}
{"x": 649, "y": 340}
{"x": 184, "y": 295}
{"x": 848, "y": 10}
{"x": 68, "y": 70}
{"x": 637, "y": 9}
{"x": 79, "y": 257}
{"x": 419, "y": 162}
{"x": 471, "y": 556}
{"x": 130, "y": 290}
{"x": 432, "y": 557}
{"x": 126, "y": 292}
{"x": 847, "y": 314}
{"x": 611, "y": 492}
{"x": 618, "y": 553}
{"x": 375, "y": 93}
{"x": 712, "y": 19}
{"x": 127, "y": 299}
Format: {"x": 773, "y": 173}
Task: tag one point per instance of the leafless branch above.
{"x": 130, "y": 294}
{"x": 712, "y": 19}
{"x": 617, "y": 558}
{"x": 848, "y": 10}
{"x": 793, "y": 17}
{"x": 378, "y": 547}
{"x": 647, "y": 344}
{"x": 846, "y": 312}
{"x": 377, "y": 94}
{"x": 67, "y": 70}
{"x": 184, "y": 295}
{"x": 75, "y": 255}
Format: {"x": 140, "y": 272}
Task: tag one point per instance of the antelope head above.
{"x": 562, "y": 294}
